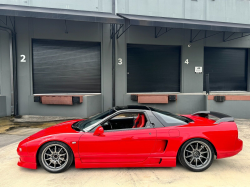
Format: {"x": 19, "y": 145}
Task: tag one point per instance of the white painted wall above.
{"x": 86, "y": 5}
{"x": 235, "y": 11}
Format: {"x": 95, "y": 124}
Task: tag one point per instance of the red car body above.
{"x": 145, "y": 147}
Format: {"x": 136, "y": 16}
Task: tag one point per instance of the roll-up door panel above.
{"x": 153, "y": 68}
{"x": 66, "y": 67}
{"x": 226, "y": 68}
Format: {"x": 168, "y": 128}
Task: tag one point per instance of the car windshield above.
{"x": 94, "y": 119}
{"x": 171, "y": 117}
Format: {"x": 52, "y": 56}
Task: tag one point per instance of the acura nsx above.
{"x": 133, "y": 136}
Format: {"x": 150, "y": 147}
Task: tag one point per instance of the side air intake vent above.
{"x": 219, "y": 98}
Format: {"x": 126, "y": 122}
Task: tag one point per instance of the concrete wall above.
{"x": 185, "y": 104}
{"x": 191, "y": 84}
{"x": 92, "y": 104}
{"x": 3, "y": 106}
{"x": 190, "y": 81}
{"x": 236, "y": 109}
{"x": 5, "y": 75}
{"x": 28, "y": 28}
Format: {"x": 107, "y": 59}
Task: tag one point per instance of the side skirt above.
{"x": 149, "y": 162}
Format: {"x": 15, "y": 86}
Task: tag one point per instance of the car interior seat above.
{"x": 139, "y": 121}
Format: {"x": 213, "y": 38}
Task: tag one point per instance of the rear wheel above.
{"x": 196, "y": 155}
{"x": 55, "y": 157}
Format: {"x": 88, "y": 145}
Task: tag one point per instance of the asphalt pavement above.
{"x": 6, "y": 139}
{"x": 16, "y": 135}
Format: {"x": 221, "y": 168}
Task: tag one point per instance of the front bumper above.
{"x": 26, "y": 162}
{"x": 237, "y": 149}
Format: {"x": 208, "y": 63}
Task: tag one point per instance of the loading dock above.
{"x": 227, "y": 68}
{"x": 138, "y": 54}
{"x": 153, "y": 68}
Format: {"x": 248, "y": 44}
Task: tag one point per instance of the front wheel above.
{"x": 196, "y": 155}
{"x": 55, "y": 157}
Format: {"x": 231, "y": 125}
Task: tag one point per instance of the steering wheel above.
{"x": 108, "y": 123}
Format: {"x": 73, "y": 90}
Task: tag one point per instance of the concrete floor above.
{"x": 234, "y": 171}
{"x": 16, "y": 135}
{"x": 9, "y": 123}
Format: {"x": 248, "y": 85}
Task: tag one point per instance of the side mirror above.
{"x": 99, "y": 131}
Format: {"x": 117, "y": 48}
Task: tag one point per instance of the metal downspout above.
{"x": 113, "y": 56}
{"x": 113, "y": 66}
{"x": 13, "y": 70}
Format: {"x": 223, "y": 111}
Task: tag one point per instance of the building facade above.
{"x": 103, "y": 51}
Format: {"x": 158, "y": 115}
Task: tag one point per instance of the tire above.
{"x": 55, "y": 157}
{"x": 195, "y": 158}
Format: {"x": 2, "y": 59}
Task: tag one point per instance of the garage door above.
{"x": 153, "y": 68}
{"x": 227, "y": 68}
{"x": 66, "y": 67}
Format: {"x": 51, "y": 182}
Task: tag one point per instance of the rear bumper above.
{"x": 238, "y": 148}
{"x": 24, "y": 162}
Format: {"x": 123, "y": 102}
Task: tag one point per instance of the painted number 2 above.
{"x": 119, "y": 61}
{"x": 23, "y": 58}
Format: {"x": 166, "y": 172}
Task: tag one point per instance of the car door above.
{"x": 122, "y": 145}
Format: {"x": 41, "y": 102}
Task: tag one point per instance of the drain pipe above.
{"x": 13, "y": 70}
{"x": 113, "y": 66}
{"x": 113, "y": 55}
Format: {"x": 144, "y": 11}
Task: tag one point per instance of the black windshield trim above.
{"x": 82, "y": 124}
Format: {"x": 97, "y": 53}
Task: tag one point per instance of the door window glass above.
{"x": 126, "y": 121}
{"x": 86, "y": 124}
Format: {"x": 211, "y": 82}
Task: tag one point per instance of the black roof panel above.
{"x": 140, "y": 107}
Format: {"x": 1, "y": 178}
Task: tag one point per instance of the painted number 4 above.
{"x": 23, "y": 58}
{"x": 186, "y": 61}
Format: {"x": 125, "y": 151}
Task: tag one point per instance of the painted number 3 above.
{"x": 23, "y": 58}
{"x": 119, "y": 61}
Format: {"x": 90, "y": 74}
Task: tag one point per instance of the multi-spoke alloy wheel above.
{"x": 55, "y": 157}
{"x": 196, "y": 154}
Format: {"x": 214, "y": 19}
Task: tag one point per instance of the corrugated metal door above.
{"x": 153, "y": 68}
{"x": 227, "y": 68}
{"x": 66, "y": 67}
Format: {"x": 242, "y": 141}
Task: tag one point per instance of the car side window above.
{"x": 126, "y": 120}
{"x": 126, "y": 115}
{"x": 166, "y": 119}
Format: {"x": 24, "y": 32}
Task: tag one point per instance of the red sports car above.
{"x": 133, "y": 136}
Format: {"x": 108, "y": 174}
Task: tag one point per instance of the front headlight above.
{"x": 22, "y": 149}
